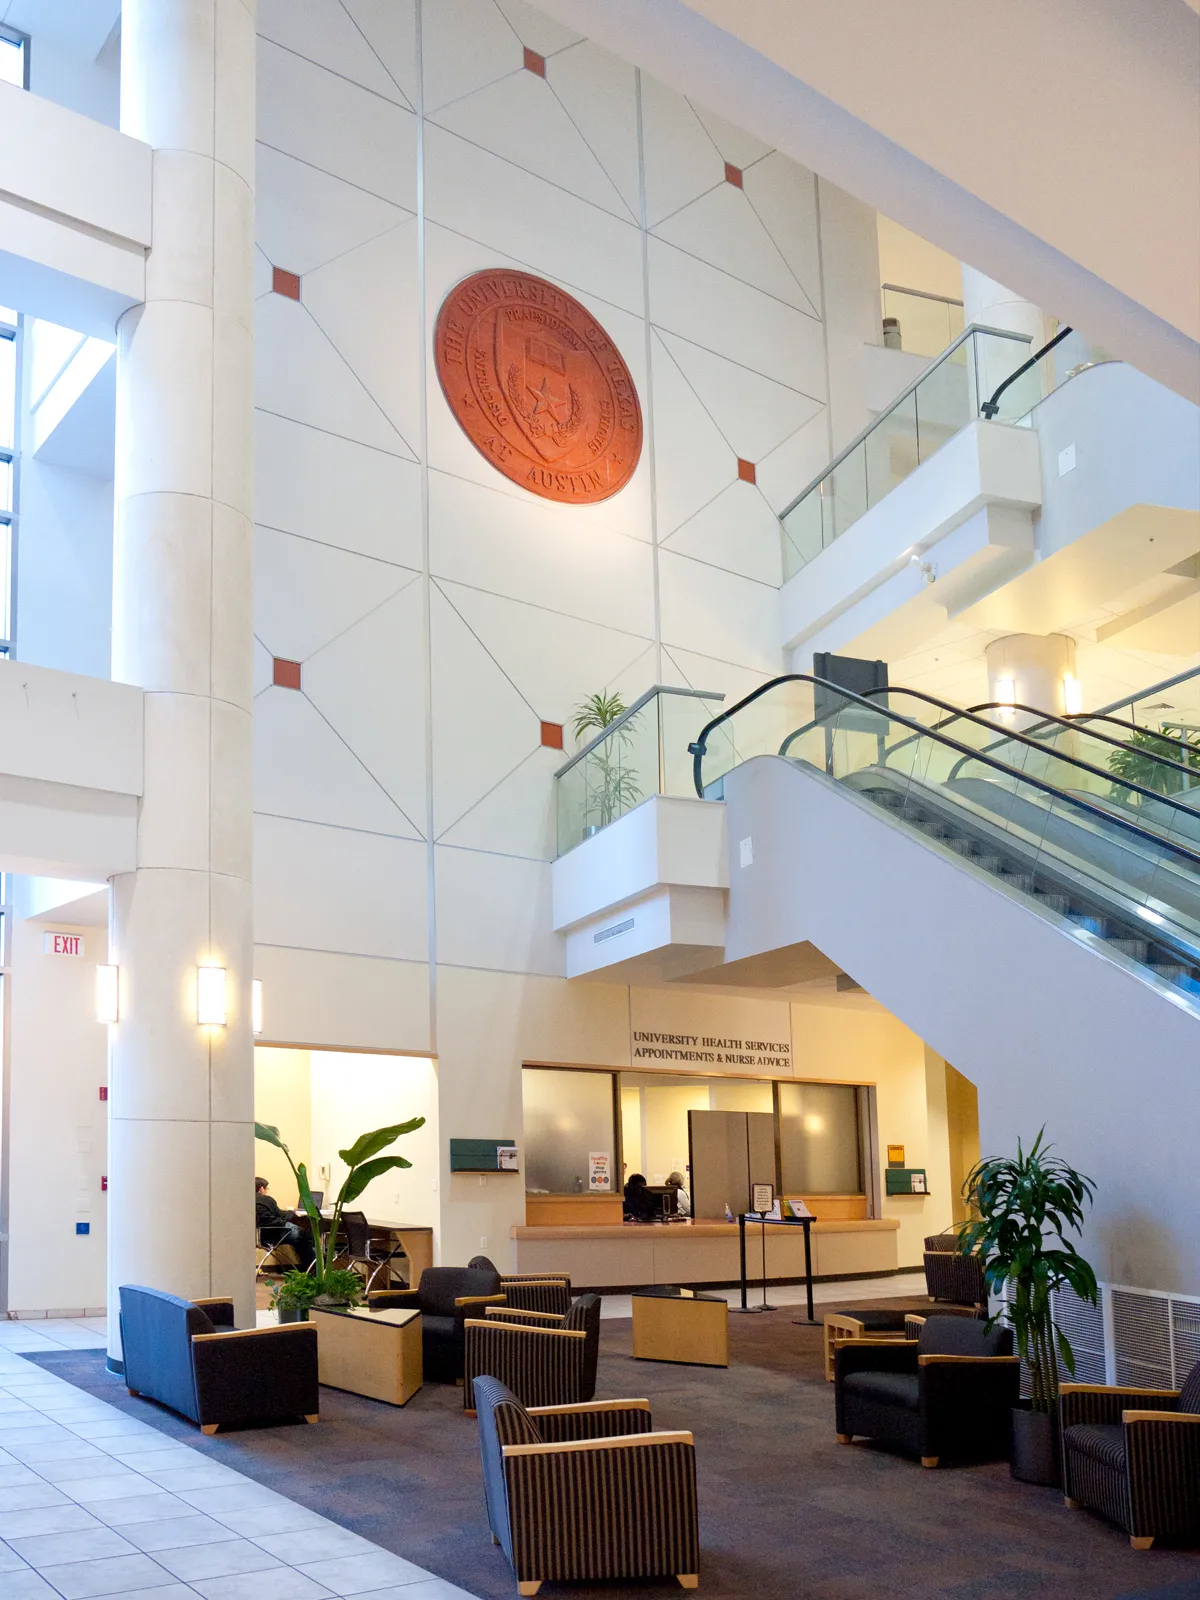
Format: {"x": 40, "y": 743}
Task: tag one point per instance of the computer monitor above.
{"x": 664, "y": 1200}
{"x": 318, "y": 1197}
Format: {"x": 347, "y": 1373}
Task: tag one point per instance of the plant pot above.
{"x": 1035, "y": 1448}
{"x": 293, "y": 1313}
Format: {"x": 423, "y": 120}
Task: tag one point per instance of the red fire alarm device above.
{"x": 104, "y": 1183}
{"x": 104, "y": 1091}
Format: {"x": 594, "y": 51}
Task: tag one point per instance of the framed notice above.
{"x": 600, "y": 1171}
{"x": 507, "y": 1159}
{"x": 762, "y": 1197}
{"x": 895, "y": 1155}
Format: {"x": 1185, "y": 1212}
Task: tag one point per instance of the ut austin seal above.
{"x": 538, "y": 387}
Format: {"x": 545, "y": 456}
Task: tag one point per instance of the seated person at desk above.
{"x": 683, "y": 1203}
{"x": 640, "y": 1205}
{"x": 275, "y": 1227}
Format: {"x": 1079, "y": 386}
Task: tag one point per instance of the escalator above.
{"x": 1105, "y": 848}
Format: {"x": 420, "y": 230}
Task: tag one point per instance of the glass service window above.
{"x": 568, "y": 1115}
{"x": 819, "y": 1142}
{"x": 654, "y": 1117}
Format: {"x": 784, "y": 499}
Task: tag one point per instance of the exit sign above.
{"x": 63, "y": 944}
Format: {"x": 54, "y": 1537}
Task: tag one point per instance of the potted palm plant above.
{"x": 1025, "y": 1208}
{"x": 611, "y": 787}
{"x": 326, "y": 1284}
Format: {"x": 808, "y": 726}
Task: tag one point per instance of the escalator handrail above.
{"x": 699, "y": 745}
{"x": 990, "y": 407}
{"x": 1048, "y": 719}
{"x": 1076, "y": 724}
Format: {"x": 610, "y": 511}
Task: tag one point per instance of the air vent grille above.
{"x": 1185, "y": 1337}
{"x": 1142, "y": 1339}
{"x": 1083, "y": 1325}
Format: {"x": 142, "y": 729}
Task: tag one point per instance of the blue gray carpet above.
{"x": 785, "y": 1512}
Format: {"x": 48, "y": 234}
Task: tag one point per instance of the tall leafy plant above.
{"x": 611, "y": 786}
{"x": 366, "y": 1162}
{"x": 1143, "y": 760}
{"x": 1026, "y": 1206}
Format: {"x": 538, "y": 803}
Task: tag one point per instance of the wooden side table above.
{"x": 372, "y": 1353}
{"x": 675, "y": 1325}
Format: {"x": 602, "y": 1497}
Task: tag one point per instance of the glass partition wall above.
{"x": 641, "y": 1120}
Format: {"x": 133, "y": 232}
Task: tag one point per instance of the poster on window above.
{"x": 600, "y": 1171}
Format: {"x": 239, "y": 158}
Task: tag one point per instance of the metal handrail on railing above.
{"x": 905, "y": 393}
{"x": 920, "y": 294}
{"x": 629, "y": 713}
{"x": 698, "y": 749}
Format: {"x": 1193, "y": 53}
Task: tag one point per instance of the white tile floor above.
{"x": 94, "y": 1503}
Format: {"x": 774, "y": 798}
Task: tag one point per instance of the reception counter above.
{"x": 627, "y": 1255}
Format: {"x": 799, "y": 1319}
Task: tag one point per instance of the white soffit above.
{"x": 1076, "y": 581}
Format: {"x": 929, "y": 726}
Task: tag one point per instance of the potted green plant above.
{"x": 1141, "y": 760}
{"x": 327, "y": 1284}
{"x": 610, "y": 787}
{"x": 1025, "y": 1208}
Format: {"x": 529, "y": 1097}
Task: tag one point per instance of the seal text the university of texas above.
{"x": 538, "y": 386}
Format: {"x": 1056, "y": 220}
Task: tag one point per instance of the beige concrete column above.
{"x": 181, "y": 1095}
{"x": 993, "y": 306}
{"x": 1034, "y": 670}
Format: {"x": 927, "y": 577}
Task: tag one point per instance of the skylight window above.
{"x": 14, "y": 48}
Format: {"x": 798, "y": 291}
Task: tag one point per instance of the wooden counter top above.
{"x": 681, "y": 1232}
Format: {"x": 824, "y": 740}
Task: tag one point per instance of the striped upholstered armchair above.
{"x": 950, "y": 1276}
{"x": 545, "y": 1360}
{"x": 587, "y": 1492}
{"x": 532, "y": 1291}
{"x": 1134, "y": 1456}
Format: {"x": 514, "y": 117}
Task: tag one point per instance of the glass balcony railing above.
{"x": 947, "y": 396}
{"x": 643, "y": 753}
{"x": 920, "y": 323}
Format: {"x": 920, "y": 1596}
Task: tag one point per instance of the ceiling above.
{"x": 81, "y": 27}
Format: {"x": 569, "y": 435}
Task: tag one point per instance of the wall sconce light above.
{"x": 1006, "y": 695}
{"x": 256, "y": 1005}
{"x": 210, "y": 997}
{"x": 1072, "y": 695}
{"x": 106, "y": 994}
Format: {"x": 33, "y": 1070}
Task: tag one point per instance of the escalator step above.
{"x": 961, "y": 846}
{"x": 1096, "y": 925}
{"x": 1053, "y": 902}
{"x": 992, "y": 864}
{"x": 1020, "y": 880}
{"x": 1172, "y": 974}
{"x": 1135, "y": 949}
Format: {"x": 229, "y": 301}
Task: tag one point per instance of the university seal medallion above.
{"x": 538, "y": 387}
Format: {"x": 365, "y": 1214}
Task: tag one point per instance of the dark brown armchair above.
{"x": 445, "y": 1297}
{"x": 1134, "y": 1456}
{"x": 949, "y": 1392}
{"x": 949, "y": 1276}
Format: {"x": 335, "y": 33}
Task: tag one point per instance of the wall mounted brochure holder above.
{"x": 905, "y": 1180}
{"x": 484, "y": 1155}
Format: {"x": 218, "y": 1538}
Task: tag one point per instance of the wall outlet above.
{"x": 483, "y": 1183}
{"x": 83, "y": 1227}
{"x": 483, "y": 1241}
{"x": 1066, "y": 461}
{"x": 746, "y": 852}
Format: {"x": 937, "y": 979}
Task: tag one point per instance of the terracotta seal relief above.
{"x": 538, "y": 387}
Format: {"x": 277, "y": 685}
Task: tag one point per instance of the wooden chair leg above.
{"x": 495, "y": 1540}
{"x": 529, "y": 1588}
{"x": 209, "y": 1427}
{"x": 316, "y": 1417}
{"x": 1071, "y": 1505}
{"x": 1141, "y": 1544}
{"x": 930, "y": 1461}
{"x": 845, "y": 1438}
{"x": 688, "y": 1580}
{"x": 136, "y": 1394}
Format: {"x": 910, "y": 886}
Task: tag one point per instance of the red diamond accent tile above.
{"x": 552, "y": 735}
{"x": 287, "y": 673}
{"x": 746, "y": 471}
{"x": 733, "y": 175}
{"x": 285, "y": 283}
{"x": 535, "y": 63}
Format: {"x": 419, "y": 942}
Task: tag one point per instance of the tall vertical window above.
{"x": 8, "y": 440}
{"x": 14, "y": 57}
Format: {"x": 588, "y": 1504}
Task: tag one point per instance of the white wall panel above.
{"x": 324, "y": 32}
{"x": 320, "y": 997}
{"x": 599, "y": 94}
{"x": 307, "y": 593}
{"x": 321, "y": 888}
{"x": 465, "y": 45}
{"x": 305, "y": 217}
{"x": 336, "y": 126}
{"x": 494, "y": 912}
{"x": 335, "y": 491}
{"x": 390, "y": 28}
{"x": 535, "y": 29}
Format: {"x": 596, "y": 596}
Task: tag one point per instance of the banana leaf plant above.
{"x": 1025, "y": 1208}
{"x": 366, "y": 1163}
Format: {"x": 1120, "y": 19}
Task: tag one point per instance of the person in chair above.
{"x": 639, "y": 1205}
{"x": 276, "y": 1228}
{"x": 683, "y": 1203}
